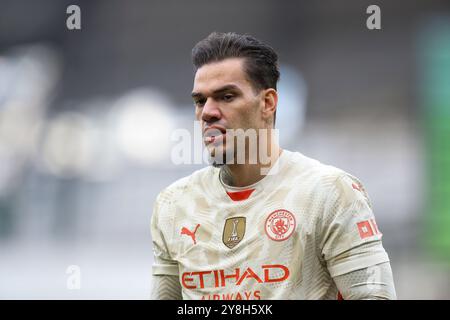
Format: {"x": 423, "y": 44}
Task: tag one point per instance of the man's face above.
{"x": 224, "y": 99}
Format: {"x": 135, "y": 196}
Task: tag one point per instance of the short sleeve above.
{"x": 160, "y": 230}
{"x": 350, "y": 238}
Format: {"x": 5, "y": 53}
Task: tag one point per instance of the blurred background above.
{"x": 86, "y": 118}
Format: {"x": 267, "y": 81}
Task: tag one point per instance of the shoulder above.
{"x": 324, "y": 179}
{"x": 174, "y": 203}
{"x": 304, "y": 168}
{"x": 186, "y": 187}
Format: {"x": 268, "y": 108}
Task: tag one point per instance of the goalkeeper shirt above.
{"x": 284, "y": 237}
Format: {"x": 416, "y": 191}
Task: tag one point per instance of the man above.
{"x": 282, "y": 227}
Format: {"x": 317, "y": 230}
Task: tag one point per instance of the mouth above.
{"x": 212, "y": 134}
{"x": 210, "y": 139}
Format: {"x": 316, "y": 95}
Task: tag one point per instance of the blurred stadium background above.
{"x": 86, "y": 118}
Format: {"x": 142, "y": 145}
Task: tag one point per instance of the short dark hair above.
{"x": 261, "y": 61}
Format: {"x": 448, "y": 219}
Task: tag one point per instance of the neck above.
{"x": 241, "y": 175}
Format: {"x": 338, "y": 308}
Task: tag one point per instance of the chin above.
{"x": 217, "y": 165}
{"x": 219, "y": 160}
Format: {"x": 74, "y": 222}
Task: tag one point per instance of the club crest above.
{"x": 280, "y": 225}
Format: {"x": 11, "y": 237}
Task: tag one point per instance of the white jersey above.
{"x": 285, "y": 237}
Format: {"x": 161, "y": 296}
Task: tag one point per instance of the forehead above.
{"x": 217, "y": 74}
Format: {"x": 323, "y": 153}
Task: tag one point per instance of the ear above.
{"x": 270, "y": 101}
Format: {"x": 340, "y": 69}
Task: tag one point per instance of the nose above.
{"x": 210, "y": 111}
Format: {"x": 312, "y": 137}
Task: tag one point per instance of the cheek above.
{"x": 244, "y": 115}
{"x": 252, "y": 114}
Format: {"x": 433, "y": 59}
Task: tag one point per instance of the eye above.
{"x": 199, "y": 102}
{"x": 228, "y": 97}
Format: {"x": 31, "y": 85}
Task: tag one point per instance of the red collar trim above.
{"x": 240, "y": 195}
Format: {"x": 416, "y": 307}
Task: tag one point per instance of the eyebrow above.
{"x": 217, "y": 91}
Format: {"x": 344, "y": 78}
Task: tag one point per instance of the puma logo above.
{"x": 189, "y": 233}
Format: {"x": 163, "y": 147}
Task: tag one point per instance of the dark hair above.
{"x": 260, "y": 59}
